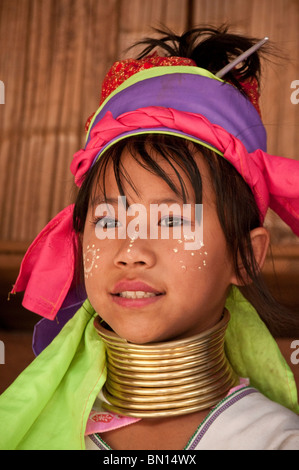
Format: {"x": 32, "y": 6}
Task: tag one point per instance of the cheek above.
{"x": 189, "y": 260}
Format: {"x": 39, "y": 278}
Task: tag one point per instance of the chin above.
{"x": 138, "y": 339}
{"x": 139, "y": 336}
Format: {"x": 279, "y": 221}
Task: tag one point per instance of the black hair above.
{"x": 210, "y": 48}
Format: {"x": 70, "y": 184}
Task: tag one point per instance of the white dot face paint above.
{"x": 204, "y": 255}
{"x": 131, "y": 243}
{"x": 193, "y": 255}
{"x": 90, "y": 260}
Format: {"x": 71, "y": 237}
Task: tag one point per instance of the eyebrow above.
{"x": 114, "y": 201}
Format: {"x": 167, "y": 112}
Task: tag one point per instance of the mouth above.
{"x": 135, "y": 293}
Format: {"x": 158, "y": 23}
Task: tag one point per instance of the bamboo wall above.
{"x": 54, "y": 54}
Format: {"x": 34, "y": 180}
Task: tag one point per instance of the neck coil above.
{"x": 166, "y": 379}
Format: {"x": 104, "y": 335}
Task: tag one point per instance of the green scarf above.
{"x": 254, "y": 353}
{"x": 48, "y": 405}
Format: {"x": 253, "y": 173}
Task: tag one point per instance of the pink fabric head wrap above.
{"x": 190, "y": 107}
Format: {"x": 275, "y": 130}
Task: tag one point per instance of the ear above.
{"x": 260, "y": 240}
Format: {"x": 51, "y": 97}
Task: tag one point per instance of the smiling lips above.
{"x": 134, "y": 293}
{"x": 139, "y": 294}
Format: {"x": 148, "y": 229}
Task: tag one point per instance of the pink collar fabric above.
{"x": 48, "y": 269}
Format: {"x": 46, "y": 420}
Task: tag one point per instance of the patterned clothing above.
{"x": 244, "y": 420}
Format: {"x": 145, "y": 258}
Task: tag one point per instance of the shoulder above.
{"x": 247, "y": 420}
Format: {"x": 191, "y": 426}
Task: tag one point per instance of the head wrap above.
{"x": 168, "y": 96}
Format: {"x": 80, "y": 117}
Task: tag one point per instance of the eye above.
{"x": 106, "y": 222}
{"x": 172, "y": 221}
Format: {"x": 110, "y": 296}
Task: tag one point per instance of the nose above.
{"x": 135, "y": 253}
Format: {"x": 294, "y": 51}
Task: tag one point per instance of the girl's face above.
{"x": 154, "y": 289}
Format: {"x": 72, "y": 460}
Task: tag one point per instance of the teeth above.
{"x": 136, "y": 294}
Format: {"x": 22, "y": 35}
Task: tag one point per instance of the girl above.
{"x": 164, "y": 351}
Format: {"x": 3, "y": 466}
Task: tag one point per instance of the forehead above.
{"x": 158, "y": 176}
